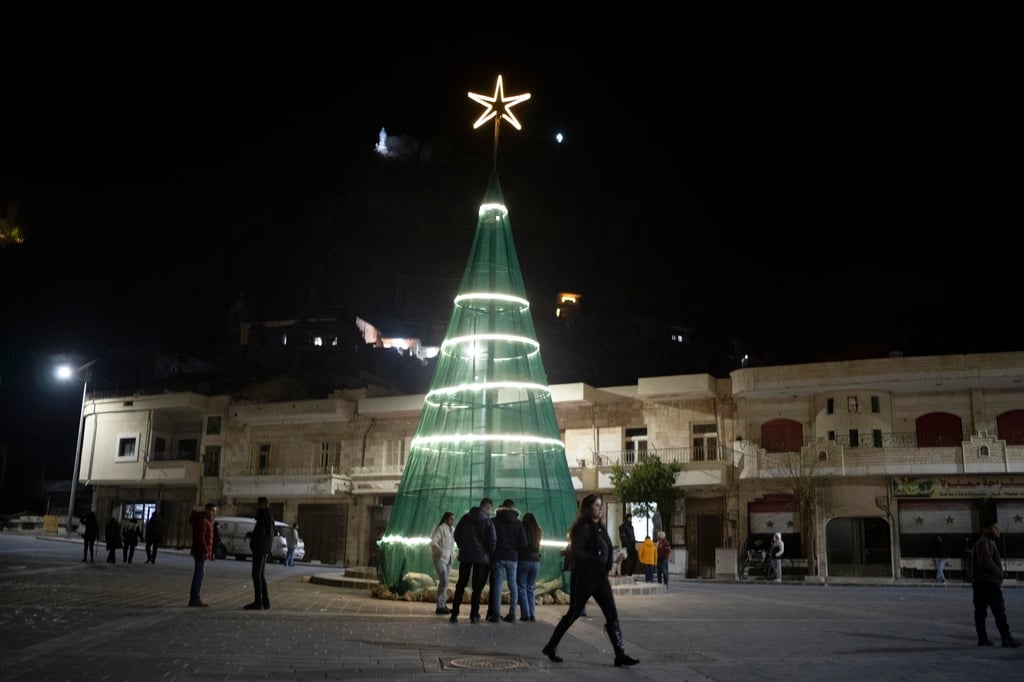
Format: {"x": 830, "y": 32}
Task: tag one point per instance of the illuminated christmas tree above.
{"x": 488, "y": 426}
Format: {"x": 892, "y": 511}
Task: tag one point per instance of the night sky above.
{"x": 853, "y": 178}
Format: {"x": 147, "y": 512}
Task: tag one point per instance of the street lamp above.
{"x": 66, "y": 373}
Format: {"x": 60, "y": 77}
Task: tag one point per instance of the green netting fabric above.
{"x": 488, "y": 426}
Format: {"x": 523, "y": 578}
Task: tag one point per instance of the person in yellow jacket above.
{"x": 648, "y": 558}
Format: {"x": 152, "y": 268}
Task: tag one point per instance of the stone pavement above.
{"x": 64, "y": 620}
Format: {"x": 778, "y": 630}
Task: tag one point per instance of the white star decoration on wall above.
{"x": 497, "y": 105}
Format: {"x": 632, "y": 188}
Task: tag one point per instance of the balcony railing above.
{"x": 283, "y": 470}
{"x": 173, "y": 456}
{"x": 684, "y": 455}
{"x": 905, "y": 439}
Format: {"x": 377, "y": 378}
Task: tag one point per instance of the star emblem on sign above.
{"x": 498, "y": 105}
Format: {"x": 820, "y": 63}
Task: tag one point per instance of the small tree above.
{"x": 648, "y": 485}
{"x": 798, "y": 470}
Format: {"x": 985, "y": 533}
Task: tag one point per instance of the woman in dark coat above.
{"x": 590, "y": 553}
{"x": 112, "y": 535}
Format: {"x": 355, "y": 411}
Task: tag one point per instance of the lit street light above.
{"x": 66, "y": 373}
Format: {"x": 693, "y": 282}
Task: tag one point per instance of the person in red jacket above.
{"x": 202, "y": 549}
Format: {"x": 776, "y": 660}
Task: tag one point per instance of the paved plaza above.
{"x": 61, "y": 619}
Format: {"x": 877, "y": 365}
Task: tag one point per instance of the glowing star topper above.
{"x": 498, "y": 105}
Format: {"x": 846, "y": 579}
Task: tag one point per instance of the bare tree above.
{"x": 798, "y": 472}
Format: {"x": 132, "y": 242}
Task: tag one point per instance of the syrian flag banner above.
{"x": 1010, "y": 515}
{"x": 936, "y": 518}
{"x": 773, "y": 516}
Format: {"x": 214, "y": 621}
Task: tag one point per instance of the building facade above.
{"x": 859, "y": 464}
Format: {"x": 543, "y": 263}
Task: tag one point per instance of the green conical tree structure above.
{"x": 488, "y": 426}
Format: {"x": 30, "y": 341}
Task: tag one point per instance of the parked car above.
{"x": 233, "y": 540}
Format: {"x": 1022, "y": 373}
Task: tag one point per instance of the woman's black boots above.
{"x": 550, "y": 648}
{"x": 615, "y": 635}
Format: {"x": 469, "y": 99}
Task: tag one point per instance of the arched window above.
{"x": 782, "y": 435}
{"x": 1010, "y": 427}
{"x": 938, "y": 430}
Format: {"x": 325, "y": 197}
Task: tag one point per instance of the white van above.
{"x": 232, "y": 530}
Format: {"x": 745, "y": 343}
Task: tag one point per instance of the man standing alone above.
{"x": 987, "y": 586}
{"x": 260, "y": 542}
{"x": 202, "y": 549}
{"x": 628, "y": 539}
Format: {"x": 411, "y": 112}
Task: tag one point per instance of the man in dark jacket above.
{"x": 261, "y": 541}
{"x": 154, "y": 536}
{"x": 511, "y": 537}
{"x": 987, "y": 585}
{"x": 475, "y": 538}
{"x": 627, "y": 538}
{"x": 92, "y": 531}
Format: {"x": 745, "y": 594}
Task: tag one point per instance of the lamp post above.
{"x": 64, "y": 373}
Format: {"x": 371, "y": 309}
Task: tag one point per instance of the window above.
{"x": 705, "y": 442}
{"x": 263, "y": 457}
{"x": 983, "y": 451}
{"x": 330, "y": 456}
{"x": 876, "y": 406}
{"x": 394, "y": 453}
{"x": 126, "y": 448}
{"x": 782, "y": 435}
{"x": 188, "y": 448}
{"x": 830, "y": 406}
{"x": 635, "y": 449}
{"x": 876, "y": 438}
{"x": 854, "y": 438}
{"x": 159, "y": 447}
{"x": 852, "y": 404}
{"x": 213, "y": 426}
{"x": 211, "y": 461}
{"x": 832, "y": 435}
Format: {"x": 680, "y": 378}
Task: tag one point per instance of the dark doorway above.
{"x": 859, "y": 547}
{"x": 323, "y": 527}
{"x": 705, "y": 535}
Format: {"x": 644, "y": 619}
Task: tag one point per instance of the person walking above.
{"x": 131, "y": 535}
{"x": 291, "y": 539}
{"x": 529, "y": 568}
{"x": 590, "y": 556}
{"x": 510, "y": 538}
{"x": 92, "y": 531}
{"x": 475, "y": 538}
{"x": 987, "y": 586}
{"x": 941, "y": 554}
{"x": 627, "y": 537}
{"x": 154, "y": 536}
{"x": 112, "y": 536}
{"x": 776, "y": 551}
{"x": 202, "y": 550}
{"x": 664, "y": 552}
{"x": 261, "y": 541}
{"x": 442, "y": 551}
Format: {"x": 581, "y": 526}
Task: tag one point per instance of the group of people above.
{"x": 508, "y": 549}
{"x": 261, "y": 540}
{"x": 125, "y": 537}
{"x": 504, "y": 551}
{"x": 652, "y": 557}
